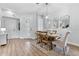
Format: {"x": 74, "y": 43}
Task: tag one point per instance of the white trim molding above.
{"x": 75, "y": 44}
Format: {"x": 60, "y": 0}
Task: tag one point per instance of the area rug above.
{"x": 52, "y": 52}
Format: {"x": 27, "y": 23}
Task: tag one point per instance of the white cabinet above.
{"x": 12, "y": 26}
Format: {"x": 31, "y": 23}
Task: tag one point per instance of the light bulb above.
{"x": 46, "y": 17}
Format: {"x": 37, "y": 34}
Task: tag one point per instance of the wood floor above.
{"x": 24, "y": 47}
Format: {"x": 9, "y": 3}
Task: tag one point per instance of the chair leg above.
{"x": 49, "y": 46}
{"x": 41, "y": 44}
{"x": 68, "y": 50}
{"x": 64, "y": 51}
{"x": 53, "y": 45}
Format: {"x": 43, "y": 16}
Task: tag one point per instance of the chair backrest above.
{"x": 45, "y": 37}
{"x": 65, "y": 39}
{"x": 52, "y": 31}
{"x": 40, "y": 36}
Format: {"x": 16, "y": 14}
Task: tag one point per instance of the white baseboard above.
{"x": 76, "y": 44}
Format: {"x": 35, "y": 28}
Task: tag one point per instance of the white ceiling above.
{"x": 18, "y": 7}
{"x": 32, "y": 7}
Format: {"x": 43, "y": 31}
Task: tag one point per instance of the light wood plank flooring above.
{"x": 24, "y": 47}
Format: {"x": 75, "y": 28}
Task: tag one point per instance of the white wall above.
{"x": 40, "y": 23}
{"x": 28, "y": 25}
{"x": 74, "y": 21}
{"x": 0, "y": 17}
{"x": 73, "y": 11}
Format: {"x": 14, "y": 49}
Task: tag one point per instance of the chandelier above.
{"x": 45, "y": 9}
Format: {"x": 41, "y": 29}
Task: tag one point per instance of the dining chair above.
{"x": 62, "y": 44}
{"x": 46, "y": 42}
{"x": 38, "y": 39}
{"x": 52, "y": 32}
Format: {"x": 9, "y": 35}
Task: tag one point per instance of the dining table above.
{"x": 51, "y": 38}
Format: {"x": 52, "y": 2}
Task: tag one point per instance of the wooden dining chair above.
{"x": 38, "y": 39}
{"x": 62, "y": 44}
{"x": 46, "y": 42}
